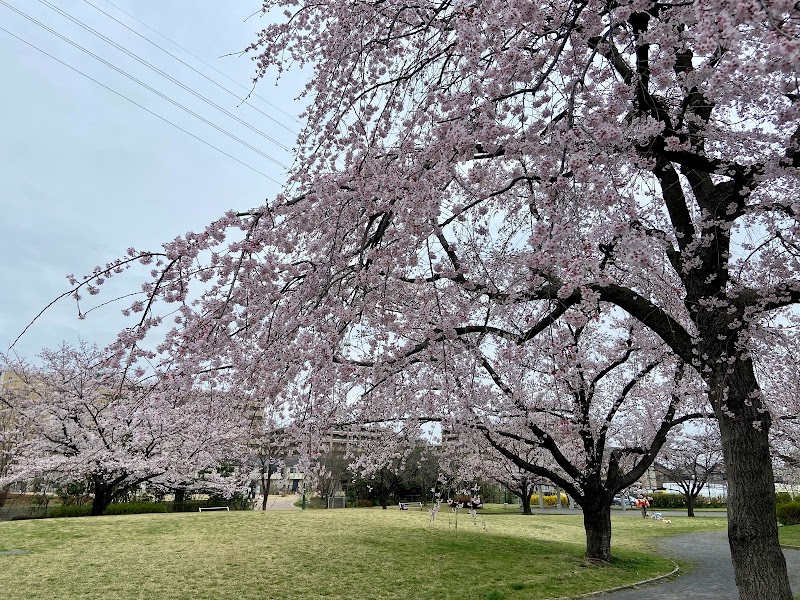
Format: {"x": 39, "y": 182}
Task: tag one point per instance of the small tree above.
{"x": 691, "y": 458}
{"x": 418, "y": 471}
{"x": 266, "y": 452}
{"x": 520, "y": 483}
{"x": 514, "y": 479}
{"x": 330, "y": 470}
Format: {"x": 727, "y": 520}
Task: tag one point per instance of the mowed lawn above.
{"x": 790, "y": 535}
{"x": 348, "y": 554}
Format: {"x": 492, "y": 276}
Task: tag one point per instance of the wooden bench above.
{"x": 407, "y": 505}
{"x": 202, "y": 508}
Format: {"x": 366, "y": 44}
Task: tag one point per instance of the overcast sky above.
{"x": 85, "y": 174}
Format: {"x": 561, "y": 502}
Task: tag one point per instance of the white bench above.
{"x": 202, "y": 508}
{"x": 407, "y": 505}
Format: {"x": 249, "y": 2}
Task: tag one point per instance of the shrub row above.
{"x": 789, "y": 513}
{"x": 116, "y": 508}
{"x": 135, "y": 508}
{"x": 551, "y": 499}
{"x": 70, "y": 511}
{"x": 679, "y": 501}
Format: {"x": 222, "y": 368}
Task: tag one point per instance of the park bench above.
{"x": 408, "y": 505}
{"x": 202, "y": 508}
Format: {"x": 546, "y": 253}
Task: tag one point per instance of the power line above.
{"x": 210, "y": 66}
{"x": 89, "y": 77}
{"x": 163, "y": 73}
{"x": 184, "y": 63}
{"x": 144, "y": 85}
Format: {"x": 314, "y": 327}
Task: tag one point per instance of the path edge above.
{"x": 622, "y": 587}
{"x": 789, "y": 547}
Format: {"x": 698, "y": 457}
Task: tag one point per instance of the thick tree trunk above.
{"x": 526, "y": 504}
{"x": 4, "y": 494}
{"x": 689, "y": 505}
{"x": 180, "y": 498}
{"x": 597, "y": 523}
{"x": 103, "y": 495}
{"x": 758, "y": 561}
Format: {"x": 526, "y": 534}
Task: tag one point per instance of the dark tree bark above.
{"x": 758, "y": 561}
{"x": 386, "y": 484}
{"x": 690, "y": 505}
{"x": 265, "y": 486}
{"x": 597, "y": 523}
{"x": 526, "y": 504}
{"x": 103, "y": 494}
{"x": 180, "y": 499}
{"x": 263, "y": 493}
{"x": 4, "y": 494}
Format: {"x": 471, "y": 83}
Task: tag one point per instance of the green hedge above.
{"x": 70, "y": 511}
{"x": 123, "y": 508}
{"x": 135, "y": 508}
{"x": 679, "y": 501}
{"x": 789, "y": 513}
{"x": 116, "y": 508}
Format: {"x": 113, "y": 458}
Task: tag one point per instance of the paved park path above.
{"x": 275, "y": 502}
{"x": 711, "y": 574}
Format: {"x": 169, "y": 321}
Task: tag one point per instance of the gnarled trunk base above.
{"x": 597, "y": 523}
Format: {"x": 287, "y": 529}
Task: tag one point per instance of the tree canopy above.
{"x": 473, "y": 174}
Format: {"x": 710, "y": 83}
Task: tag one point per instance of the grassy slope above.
{"x": 322, "y": 554}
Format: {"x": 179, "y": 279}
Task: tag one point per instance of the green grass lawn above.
{"x": 323, "y": 554}
{"x": 790, "y": 535}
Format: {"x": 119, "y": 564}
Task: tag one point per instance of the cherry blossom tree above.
{"x": 266, "y": 451}
{"x": 10, "y": 432}
{"x": 83, "y": 420}
{"x": 691, "y": 458}
{"x": 476, "y": 171}
{"x": 586, "y": 408}
{"x": 516, "y": 480}
{"x": 9, "y": 437}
